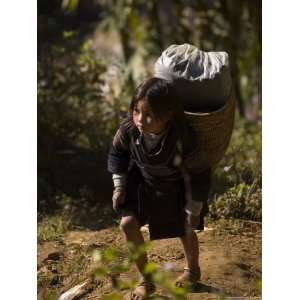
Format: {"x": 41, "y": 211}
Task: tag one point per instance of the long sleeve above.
{"x": 197, "y": 183}
{"x": 118, "y": 156}
{"x": 197, "y": 186}
{"x": 200, "y": 184}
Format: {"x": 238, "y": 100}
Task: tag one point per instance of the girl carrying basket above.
{"x": 154, "y": 182}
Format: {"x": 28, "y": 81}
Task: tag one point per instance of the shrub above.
{"x": 237, "y": 180}
{"x": 111, "y": 263}
{"x": 71, "y": 104}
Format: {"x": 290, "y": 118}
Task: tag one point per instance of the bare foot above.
{"x": 142, "y": 291}
{"x": 188, "y": 278}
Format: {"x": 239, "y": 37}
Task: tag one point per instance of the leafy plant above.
{"x": 53, "y": 227}
{"x": 71, "y": 104}
{"x": 237, "y": 182}
{"x": 112, "y": 263}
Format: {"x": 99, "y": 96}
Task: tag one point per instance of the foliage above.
{"x": 238, "y": 202}
{"x": 71, "y": 104}
{"x": 53, "y": 227}
{"x": 110, "y": 263}
{"x": 147, "y": 27}
{"x": 237, "y": 181}
{"x": 78, "y": 111}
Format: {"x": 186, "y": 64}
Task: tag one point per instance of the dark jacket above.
{"x": 156, "y": 187}
{"x": 179, "y": 142}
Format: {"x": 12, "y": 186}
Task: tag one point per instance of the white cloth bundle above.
{"x": 201, "y": 79}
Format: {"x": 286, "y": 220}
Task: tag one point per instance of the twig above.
{"x": 250, "y": 221}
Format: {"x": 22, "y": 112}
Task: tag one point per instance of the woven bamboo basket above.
{"x": 214, "y": 130}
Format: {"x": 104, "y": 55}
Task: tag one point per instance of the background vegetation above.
{"x": 91, "y": 54}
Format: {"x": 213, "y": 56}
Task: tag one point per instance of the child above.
{"x": 153, "y": 179}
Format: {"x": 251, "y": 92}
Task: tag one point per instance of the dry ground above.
{"x": 230, "y": 258}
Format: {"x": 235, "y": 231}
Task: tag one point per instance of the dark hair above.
{"x": 161, "y": 97}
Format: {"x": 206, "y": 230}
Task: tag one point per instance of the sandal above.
{"x": 189, "y": 278}
{"x": 142, "y": 291}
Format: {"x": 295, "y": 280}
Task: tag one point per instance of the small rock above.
{"x": 53, "y": 256}
{"x": 41, "y": 270}
{"x": 179, "y": 256}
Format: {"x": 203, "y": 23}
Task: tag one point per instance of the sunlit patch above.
{"x": 168, "y": 266}
{"x": 96, "y": 256}
{"x": 148, "y": 120}
{"x": 208, "y": 229}
{"x": 73, "y": 292}
{"x": 67, "y": 207}
{"x": 145, "y": 228}
{"x": 227, "y": 168}
{"x": 177, "y": 160}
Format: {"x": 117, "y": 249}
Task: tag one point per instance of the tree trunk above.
{"x": 233, "y": 13}
{"x": 167, "y": 21}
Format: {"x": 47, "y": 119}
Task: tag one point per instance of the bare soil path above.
{"x": 230, "y": 259}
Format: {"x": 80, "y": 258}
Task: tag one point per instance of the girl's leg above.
{"x": 131, "y": 228}
{"x": 191, "y": 250}
{"x": 192, "y": 272}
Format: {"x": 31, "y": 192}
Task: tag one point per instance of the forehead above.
{"x": 144, "y": 106}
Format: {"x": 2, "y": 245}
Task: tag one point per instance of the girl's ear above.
{"x": 168, "y": 118}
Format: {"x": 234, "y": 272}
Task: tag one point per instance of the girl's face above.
{"x": 145, "y": 120}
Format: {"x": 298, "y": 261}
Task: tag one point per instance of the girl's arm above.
{"x": 197, "y": 183}
{"x": 119, "y": 157}
{"x": 198, "y": 190}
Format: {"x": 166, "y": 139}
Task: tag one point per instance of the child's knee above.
{"x": 129, "y": 224}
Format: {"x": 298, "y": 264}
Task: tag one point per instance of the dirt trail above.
{"x": 230, "y": 259}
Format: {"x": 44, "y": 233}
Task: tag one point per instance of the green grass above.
{"x": 53, "y": 227}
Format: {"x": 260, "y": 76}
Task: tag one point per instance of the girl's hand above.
{"x": 118, "y": 198}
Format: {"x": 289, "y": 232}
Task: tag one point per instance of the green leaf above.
{"x": 113, "y": 296}
{"x": 100, "y": 272}
{"x": 110, "y": 255}
{"x": 70, "y": 5}
{"x": 151, "y": 267}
